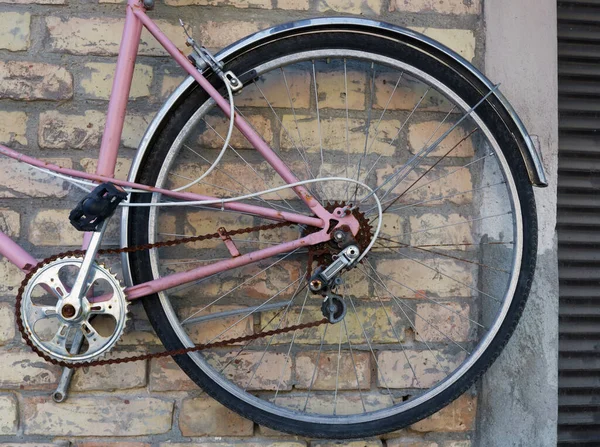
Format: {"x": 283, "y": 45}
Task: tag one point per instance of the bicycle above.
{"x": 396, "y": 209}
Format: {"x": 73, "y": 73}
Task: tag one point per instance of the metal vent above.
{"x": 579, "y": 222}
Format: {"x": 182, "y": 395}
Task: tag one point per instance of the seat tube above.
{"x": 119, "y": 96}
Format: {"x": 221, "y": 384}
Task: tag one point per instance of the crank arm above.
{"x": 62, "y": 390}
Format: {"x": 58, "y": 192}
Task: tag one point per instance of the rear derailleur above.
{"x": 326, "y": 278}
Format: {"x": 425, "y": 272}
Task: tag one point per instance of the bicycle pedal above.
{"x": 96, "y": 207}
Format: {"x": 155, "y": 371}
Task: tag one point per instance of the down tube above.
{"x": 176, "y": 279}
{"x": 245, "y": 129}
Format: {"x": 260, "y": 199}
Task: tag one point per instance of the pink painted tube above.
{"x": 176, "y": 279}
{"x": 241, "y": 207}
{"x": 15, "y": 254}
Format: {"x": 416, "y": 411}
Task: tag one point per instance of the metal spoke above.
{"x": 318, "y": 117}
{"x": 238, "y": 286}
{"x": 312, "y": 380}
{"x": 354, "y": 366}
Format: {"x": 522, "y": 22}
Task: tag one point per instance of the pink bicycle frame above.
{"x": 136, "y": 18}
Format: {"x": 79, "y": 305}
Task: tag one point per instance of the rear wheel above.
{"x": 432, "y": 304}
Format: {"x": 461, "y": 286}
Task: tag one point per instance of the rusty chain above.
{"x": 110, "y": 251}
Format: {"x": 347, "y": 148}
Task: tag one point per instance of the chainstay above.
{"x": 181, "y": 351}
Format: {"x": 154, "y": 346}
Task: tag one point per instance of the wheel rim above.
{"x": 398, "y": 407}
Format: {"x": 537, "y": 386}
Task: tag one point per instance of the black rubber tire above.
{"x": 466, "y": 87}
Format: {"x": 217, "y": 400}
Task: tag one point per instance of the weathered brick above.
{"x": 102, "y": 36}
{"x": 35, "y": 444}
{"x": 97, "y": 416}
{"x": 96, "y": 80}
{"x": 10, "y": 277}
{"x": 7, "y": 323}
{"x": 121, "y": 169}
{"x": 458, "y": 416}
{"x": 367, "y": 7}
{"x": 214, "y": 136}
{"x": 346, "y": 404}
{"x": 464, "y": 443}
{"x": 39, "y": 2}
{"x": 165, "y": 375}
{"x": 220, "y": 34}
{"x": 333, "y": 135}
{"x": 431, "y": 229}
{"x": 400, "y": 91}
{"x": 364, "y": 443}
{"x": 20, "y": 181}
{"x": 112, "y": 444}
{"x": 332, "y": 90}
{"x": 445, "y": 184}
{"x": 50, "y": 227}
{"x": 423, "y": 135}
{"x": 276, "y": 93}
{"x": 439, "y": 322}
{"x": 34, "y": 80}
{"x": 272, "y": 371}
{"x": 13, "y": 126}
{"x": 406, "y": 278}
{"x": 26, "y": 369}
{"x": 10, "y": 222}
{"x": 353, "y": 371}
{"x": 400, "y": 442}
{"x": 14, "y": 31}
{"x": 169, "y": 83}
{"x": 9, "y": 418}
{"x": 263, "y": 4}
{"x": 300, "y": 5}
{"x": 372, "y": 316}
{"x": 61, "y": 131}
{"x": 240, "y": 442}
{"x": 429, "y": 367}
{"x": 206, "y": 417}
{"x": 112, "y": 377}
{"x": 460, "y": 40}
{"x": 439, "y": 6}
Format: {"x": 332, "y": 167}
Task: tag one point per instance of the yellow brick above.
{"x": 13, "y": 126}
{"x": 96, "y": 416}
{"x": 112, "y": 377}
{"x": 346, "y": 404}
{"x": 7, "y": 323}
{"x": 26, "y": 369}
{"x": 220, "y": 34}
{"x": 20, "y": 181}
{"x": 301, "y": 5}
{"x": 14, "y": 31}
{"x": 450, "y": 229}
{"x": 396, "y": 367}
{"x": 121, "y": 169}
{"x": 403, "y": 277}
{"x": 10, "y": 222}
{"x": 368, "y": 7}
{"x": 460, "y": 40}
{"x": 10, "y": 277}
{"x": 169, "y": 83}
{"x": 165, "y": 375}
{"x": 263, "y": 4}
{"x": 273, "y": 86}
{"x": 458, "y": 416}
{"x": 332, "y": 90}
{"x": 445, "y": 322}
{"x": 445, "y": 184}
{"x": 9, "y": 418}
{"x": 97, "y": 80}
{"x": 330, "y": 375}
{"x": 440, "y": 6}
{"x": 206, "y": 417}
{"x": 373, "y": 319}
{"x": 423, "y": 135}
{"x": 34, "y": 80}
{"x": 39, "y": 2}
{"x": 333, "y": 135}
{"x": 216, "y": 130}
{"x": 102, "y": 36}
{"x": 400, "y": 91}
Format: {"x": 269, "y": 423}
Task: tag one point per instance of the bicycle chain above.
{"x": 181, "y": 351}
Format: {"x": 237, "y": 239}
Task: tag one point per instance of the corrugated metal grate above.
{"x": 579, "y": 221}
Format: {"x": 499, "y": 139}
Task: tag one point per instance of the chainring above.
{"x": 100, "y": 325}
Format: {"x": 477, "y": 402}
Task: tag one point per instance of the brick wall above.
{"x": 56, "y": 64}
